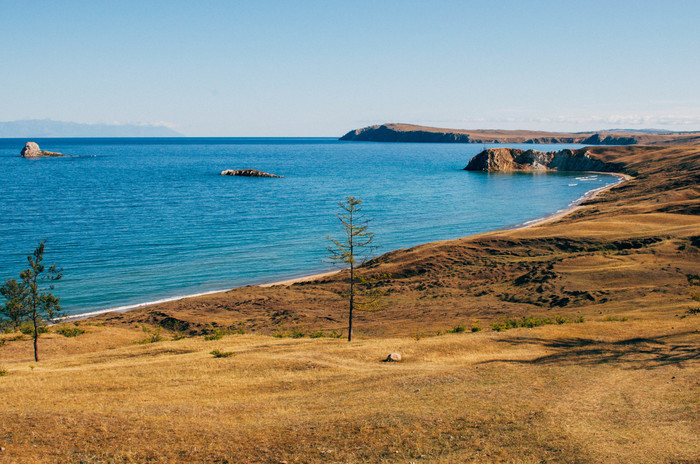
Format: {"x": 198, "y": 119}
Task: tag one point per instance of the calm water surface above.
{"x": 136, "y": 220}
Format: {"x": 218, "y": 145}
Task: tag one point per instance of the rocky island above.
{"x": 32, "y": 150}
{"x": 247, "y": 173}
{"x": 423, "y": 134}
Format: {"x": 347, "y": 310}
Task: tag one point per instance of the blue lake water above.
{"x": 137, "y": 220}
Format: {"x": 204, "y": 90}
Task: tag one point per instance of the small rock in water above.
{"x": 393, "y": 357}
{"x": 247, "y": 173}
{"x": 32, "y": 150}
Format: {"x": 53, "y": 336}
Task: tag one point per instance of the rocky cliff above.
{"x": 32, "y": 150}
{"x": 423, "y": 134}
{"x": 512, "y": 159}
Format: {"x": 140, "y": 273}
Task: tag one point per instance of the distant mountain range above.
{"x": 48, "y": 128}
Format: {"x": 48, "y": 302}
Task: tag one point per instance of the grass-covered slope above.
{"x": 622, "y": 386}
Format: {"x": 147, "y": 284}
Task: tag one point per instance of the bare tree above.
{"x": 41, "y": 305}
{"x": 353, "y": 249}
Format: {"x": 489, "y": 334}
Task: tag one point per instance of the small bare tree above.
{"x": 353, "y": 250}
{"x": 40, "y": 304}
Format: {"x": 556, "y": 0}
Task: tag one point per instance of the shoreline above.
{"x": 574, "y": 206}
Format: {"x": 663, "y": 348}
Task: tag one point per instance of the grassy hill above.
{"x": 612, "y": 378}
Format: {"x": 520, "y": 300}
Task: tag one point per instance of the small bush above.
{"x": 318, "y": 334}
{"x": 417, "y": 335}
{"x": 152, "y": 336}
{"x": 532, "y": 321}
{"x": 69, "y": 331}
{"x": 297, "y": 333}
{"x": 476, "y": 325}
{"x": 279, "y": 334}
{"x": 217, "y": 335}
{"x": 179, "y": 336}
{"x": 3, "y": 372}
{"x": 614, "y": 319}
{"x": 2, "y": 341}
{"x": 693, "y": 311}
{"x": 28, "y": 329}
{"x": 336, "y": 334}
{"x": 458, "y": 329}
{"x": 221, "y": 354}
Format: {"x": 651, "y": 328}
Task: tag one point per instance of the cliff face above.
{"x": 423, "y": 134}
{"x": 512, "y": 159}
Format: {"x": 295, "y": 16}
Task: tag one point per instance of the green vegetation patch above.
{"x": 221, "y": 354}
{"x": 69, "y": 331}
{"x": 532, "y": 321}
{"x": 152, "y": 336}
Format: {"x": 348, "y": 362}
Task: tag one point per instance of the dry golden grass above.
{"x": 591, "y": 392}
{"x": 621, "y": 387}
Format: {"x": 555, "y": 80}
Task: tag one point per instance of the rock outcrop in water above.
{"x": 32, "y": 150}
{"x": 513, "y": 159}
{"x": 247, "y": 173}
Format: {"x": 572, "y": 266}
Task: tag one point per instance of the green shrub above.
{"x": 3, "y": 372}
{"x": 297, "y": 333}
{"x": 69, "y": 331}
{"x": 336, "y": 334}
{"x": 2, "y": 341}
{"x": 318, "y": 334}
{"x": 458, "y": 329}
{"x": 532, "y": 321}
{"x": 28, "y": 329}
{"x": 693, "y": 311}
{"x": 179, "y": 336}
{"x": 498, "y": 326}
{"x": 152, "y": 336}
{"x": 217, "y": 335}
{"x": 417, "y": 335}
{"x": 476, "y": 325}
{"x": 221, "y": 354}
{"x": 613, "y": 319}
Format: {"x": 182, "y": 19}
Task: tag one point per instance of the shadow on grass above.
{"x": 634, "y": 353}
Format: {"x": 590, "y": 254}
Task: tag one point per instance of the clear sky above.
{"x": 321, "y": 68}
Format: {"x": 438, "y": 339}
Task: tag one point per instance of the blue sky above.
{"x": 321, "y": 68}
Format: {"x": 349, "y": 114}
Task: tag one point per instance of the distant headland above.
{"x": 425, "y": 134}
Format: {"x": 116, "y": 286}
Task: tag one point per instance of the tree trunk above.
{"x": 36, "y": 344}
{"x": 352, "y": 298}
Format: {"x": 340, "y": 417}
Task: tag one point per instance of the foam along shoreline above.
{"x": 131, "y": 307}
{"x": 575, "y": 205}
